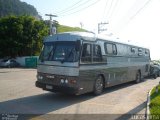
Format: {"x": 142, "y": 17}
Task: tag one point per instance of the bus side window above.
{"x": 110, "y": 49}
{"x": 86, "y": 53}
{"x": 97, "y": 55}
{"x": 114, "y": 49}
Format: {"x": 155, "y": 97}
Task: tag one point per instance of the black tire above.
{"x": 98, "y": 85}
{"x": 155, "y": 76}
{"x": 138, "y": 77}
{"x": 159, "y": 74}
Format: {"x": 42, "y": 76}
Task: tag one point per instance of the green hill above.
{"x": 63, "y": 28}
{"x": 16, "y": 7}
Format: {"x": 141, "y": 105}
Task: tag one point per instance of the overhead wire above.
{"x": 68, "y": 8}
{"x": 109, "y": 9}
{"x": 107, "y": 1}
{"x": 139, "y": 10}
{"x": 81, "y": 9}
{"x": 114, "y": 8}
{"x": 74, "y": 6}
{"x": 108, "y": 13}
{"x": 129, "y": 17}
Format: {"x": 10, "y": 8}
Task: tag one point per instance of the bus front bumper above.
{"x": 54, "y": 88}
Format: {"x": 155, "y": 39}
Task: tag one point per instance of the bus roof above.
{"x": 71, "y": 36}
{"x": 89, "y": 36}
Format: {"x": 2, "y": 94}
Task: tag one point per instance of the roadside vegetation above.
{"x": 63, "y": 28}
{"x": 23, "y": 29}
{"x": 23, "y": 35}
{"x": 155, "y": 104}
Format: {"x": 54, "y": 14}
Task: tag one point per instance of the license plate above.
{"x": 49, "y": 87}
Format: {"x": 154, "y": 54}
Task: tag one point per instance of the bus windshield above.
{"x": 60, "y": 51}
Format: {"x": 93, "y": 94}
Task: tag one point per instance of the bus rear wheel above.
{"x": 138, "y": 77}
{"x": 98, "y": 85}
{"x": 155, "y": 76}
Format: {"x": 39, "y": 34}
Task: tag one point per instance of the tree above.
{"x": 21, "y": 36}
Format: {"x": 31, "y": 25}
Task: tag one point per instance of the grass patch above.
{"x": 63, "y": 28}
{"x": 155, "y": 104}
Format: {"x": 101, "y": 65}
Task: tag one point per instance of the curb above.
{"x": 148, "y": 102}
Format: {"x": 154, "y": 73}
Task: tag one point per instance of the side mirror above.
{"x": 78, "y": 45}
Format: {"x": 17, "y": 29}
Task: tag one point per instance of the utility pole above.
{"x": 50, "y": 20}
{"x": 81, "y": 24}
{"x": 100, "y": 25}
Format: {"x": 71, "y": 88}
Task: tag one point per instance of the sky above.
{"x": 132, "y": 21}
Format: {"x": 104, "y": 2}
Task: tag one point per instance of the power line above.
{"x": 109, "y": 12}
{"x": 109, "y": 9}
{"x": 86, "y": 7}
{"x": 138, "y": 11}
{"x": 74, "y": 6}
{"x": 70, "y": 7}
{"x": 105, "y": 8}
{"x": 114, "y": 8}
{"x": 132, "y": 17}
{"x": 81, "y": 9}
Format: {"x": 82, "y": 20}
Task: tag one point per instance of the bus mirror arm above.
{"x": 77, "y": 47}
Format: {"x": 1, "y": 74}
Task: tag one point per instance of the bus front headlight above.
{"x": 66, "y": 81}
{"x": 62, "y": 80}
{"x": 40, "y": 77}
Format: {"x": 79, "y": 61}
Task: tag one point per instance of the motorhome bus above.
{"x": 79, "y": 62}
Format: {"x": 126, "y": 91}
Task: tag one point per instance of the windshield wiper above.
{"x": 51, "y": 52}
{"x": 67, "y": 55}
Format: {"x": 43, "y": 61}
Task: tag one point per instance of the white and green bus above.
{"x": 79, "y": 62}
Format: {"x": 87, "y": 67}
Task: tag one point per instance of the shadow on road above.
{"x": 49, "y": 102}
{"x": 132, "y": 114}
{"x": 40, "y": 104}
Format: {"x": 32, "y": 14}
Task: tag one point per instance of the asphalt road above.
{"x": 20, "y": 99}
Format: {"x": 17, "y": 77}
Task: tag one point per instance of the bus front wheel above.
{"x": 98, "y": 85}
